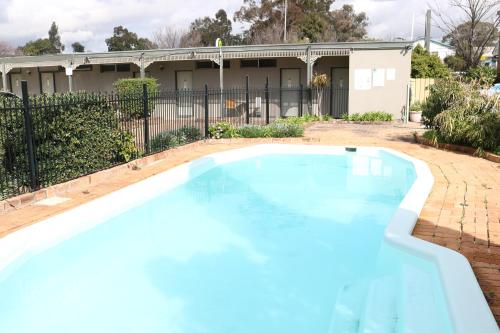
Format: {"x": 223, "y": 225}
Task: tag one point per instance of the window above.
{"x": 267, "y": 63}
{"x": 84, "y": 68}
{"x": 248, "y": 63}
{"x": 260, "y": 63}
{"x": 107, "y": 68}
{"x": 115, "y": 68}
{"x": 123, "y": 67}
{"x": 211, "y": 64}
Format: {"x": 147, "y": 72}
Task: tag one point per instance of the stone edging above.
{"x": 451, "y": 147}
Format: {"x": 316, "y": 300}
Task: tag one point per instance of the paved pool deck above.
{"x": 461, "y": 213}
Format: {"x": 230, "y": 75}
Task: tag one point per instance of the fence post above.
{"x": 206, "y": 112}
{"x": 309, "y": 100}
{"x": 28, "y": 129}
{"x": 146, "y": 117}
{"x": 301, "y": 100}
{"x": 267, "y": 100}
{"x": 247, "y": 102}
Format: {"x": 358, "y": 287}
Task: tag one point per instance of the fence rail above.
{"x": 45, "y": 140}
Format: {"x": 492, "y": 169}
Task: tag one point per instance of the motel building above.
{"x": 363, "y": 76}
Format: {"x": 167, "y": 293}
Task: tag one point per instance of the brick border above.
{"x": 457, "y": 148}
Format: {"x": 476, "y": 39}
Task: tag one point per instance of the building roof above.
{"x": 146, "y": 57}
{"x": 435, "y": 42}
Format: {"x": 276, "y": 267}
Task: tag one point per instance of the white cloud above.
{"x": 91, "y": 21}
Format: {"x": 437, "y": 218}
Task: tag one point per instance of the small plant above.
{"x": 319, "y": 82}
{"x": 164, "y": 140}
{"x": 416, "y": 107}
{"x": 369, "y": 116}
{"x": 222, "y": 130}
{"x": 284, "y": 130}
{"x": 253, "y": 131}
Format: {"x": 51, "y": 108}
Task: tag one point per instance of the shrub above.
{"x": 253, "y": 131}
{"x": 170, "y": 139}
{"x": 130, "y": 93}
{"x": 368, "y": 116}
{"x": 425, "y": 65}
{"x": 483, "y": 75}
{"x": 222, "y": 130}
{"x": 77, "y": 135}
{"x": 441, "y": 96}
{"x": 416, "y": 107}
{"x": 455, "y": 63}
{"x": 284, "y": 130}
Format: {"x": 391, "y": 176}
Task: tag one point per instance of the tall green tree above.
{"x": 347, "y": 25}
{"x": 78, "y": 47}
{"x": 425, "y": 65}
{"x": 125, "y": 40}
{"x": 204, "y": 31}
{"x": 55, "y": 39}
{"x": 50, "y": 45}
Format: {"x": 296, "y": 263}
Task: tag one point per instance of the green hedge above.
{"x": 368, "y": 116}
{"x": 78, "y": 134}
{"x": 130, "y": 94}
{"x": 282, "y": 128}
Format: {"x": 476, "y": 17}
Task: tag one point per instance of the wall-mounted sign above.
{"x": 362, "y": 79}
{"x": 391, "y": 74}
{"x": 378, "y": 77}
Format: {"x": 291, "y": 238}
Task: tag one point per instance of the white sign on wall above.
{"x": 69, "y": 71}
{"x": 378, "y": 77}
{"x": 362, "y": 79}
{"x": 391, "y": 74}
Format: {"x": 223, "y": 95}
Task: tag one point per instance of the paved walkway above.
{"x": 462, "y": 212}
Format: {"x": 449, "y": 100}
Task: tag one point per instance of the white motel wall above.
{"x": 375, "y": 75}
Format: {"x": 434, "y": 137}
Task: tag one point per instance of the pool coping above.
{"x": 467, "y": 307}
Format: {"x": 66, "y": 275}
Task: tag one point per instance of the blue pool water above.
{"x": 276, "y": 243}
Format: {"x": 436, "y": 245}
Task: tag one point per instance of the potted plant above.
{"x": 416, "y": 112}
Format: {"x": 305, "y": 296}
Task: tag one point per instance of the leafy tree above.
{"x": 6, "y": 49}
{"x": 347, "y": 25}
{"x": 455, "y": 63}
{"x": 78, "y": 47}
{"x": 204, "y": 31}
{"x": 37, "y": 47}
{"x": 476, "y": 30}
{"x": 51, "y": 45}
{"x": 483, "y": 75}
{"x": 425, "y": 65}
{"x": 306, "y": 20}
{"x": 55, "y": 39}
{"x": 124, "y": 40}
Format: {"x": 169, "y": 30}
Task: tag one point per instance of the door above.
{"x": 340, "y": 92}
{"x": 15, "y": 80}
{"x": 184, "y": 86}
{"x": 290, "y": 95}
{"x": 47, "y": 83}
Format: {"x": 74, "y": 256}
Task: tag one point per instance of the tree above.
{"x": 474, "y": 31}
{"x": 124, "y": 40}
{"x": 455, "y": 63}
{"x": 37, "y": 47}
{"x": 6, "y": 50}
{"x": 306, "y": 20}
{"x": 168, "y": 37}
{"x": 78, "y": 47}
{"x": 347, "y": 25}
{"x": 204, "y": 31}
{"x": 425, "y": 65}
{"x": 55, "y": 39}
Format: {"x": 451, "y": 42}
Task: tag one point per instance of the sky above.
{"x": 91, "y": 21}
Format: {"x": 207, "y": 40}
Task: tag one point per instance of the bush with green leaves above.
{"x": 222, "y": 130}
{"x": 285, "y": 130}
{"x": 368, "y": 116}
{"x": 78, "y": 134}
{"x": 253, "y": 131}
{"x": 130, "y": 95}
{"x": 442, "y": 94}
{"x": 170, "y": 139}
{"x": 425, "y": 65}
{"x": 483, "y": 75}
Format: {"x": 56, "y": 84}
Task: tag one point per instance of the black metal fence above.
{"x": 45, "y": 140}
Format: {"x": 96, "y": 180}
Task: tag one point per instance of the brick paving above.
{"x": 461, "y": 213}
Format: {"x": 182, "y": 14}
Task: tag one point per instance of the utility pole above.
{"x": 412, "y": 25}
{"x": 286, "y": 10}
{"x": 428, "y": 31}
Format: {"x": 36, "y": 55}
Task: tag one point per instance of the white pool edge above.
{"x": 467, "y": 306}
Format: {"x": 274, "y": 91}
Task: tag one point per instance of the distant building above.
{"x": 490, "y": 56}
{"x": 442, "y": 50}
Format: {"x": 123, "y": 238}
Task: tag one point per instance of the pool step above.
{"x": 350, "y": 303}
{"x": 381, "y": 306}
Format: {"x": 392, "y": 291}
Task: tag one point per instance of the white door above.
{"x": 184, "y": 86}
{"x": 290, "y": 82}
{"x": 15, "y": 79}
{"x": 47, "y": 83}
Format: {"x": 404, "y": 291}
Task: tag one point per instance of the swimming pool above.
{"x": 271, "y": 238}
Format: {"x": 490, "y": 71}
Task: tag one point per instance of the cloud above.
{"x": 92, "y": 21}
